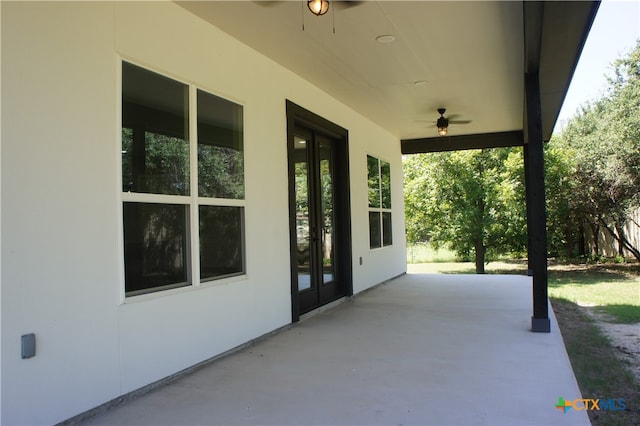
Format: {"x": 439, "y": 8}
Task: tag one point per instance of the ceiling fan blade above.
{"x": 459, "y": 121}
{"x": 346, "y": 4}
{"x": 266, "y": 3}
{"x": 426, "y": 123}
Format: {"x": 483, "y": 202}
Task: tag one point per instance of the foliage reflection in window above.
{"x": 155, "y": 133}
{"x": 155, "y": 246}
{"x": 379, "y": 190}
{"x": 159, "y": 208}
{"x": 221, "y": 241}
{"x": 220, "y": 150}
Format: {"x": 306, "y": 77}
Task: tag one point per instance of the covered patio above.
{"x": 112, "y": 283}
{"x": 419, "y": 349}
{"x": 504, "y": 67}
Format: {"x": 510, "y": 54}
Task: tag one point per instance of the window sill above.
{"x": 380, "y": 248}
{"x": 186, "y": 289}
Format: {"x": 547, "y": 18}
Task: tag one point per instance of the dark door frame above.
{"x": 301, "y": 117}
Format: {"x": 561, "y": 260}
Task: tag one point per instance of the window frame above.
{"x": 380, "y": 209}
{"x": 191, "y": 202}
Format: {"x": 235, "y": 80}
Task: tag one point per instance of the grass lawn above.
{"x": 421, "y": 253}
{"x": 599, "y": 372}
{"x": 612, "y": 288}
{"x": 615, "y": 290}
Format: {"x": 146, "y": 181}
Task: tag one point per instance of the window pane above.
{"x": 155, "y": 241}
{"x": 221, "y": 241}
{"x": 385, "y": 184}
{"x": 374, "y": 230}
{"x": 220, "y": 148}
{"x": 155, "y": 133}
{"x": 387, "y": 239}
{"x": 373, "y": 181}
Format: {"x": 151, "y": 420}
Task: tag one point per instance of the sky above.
{"x": 613, "y": 34}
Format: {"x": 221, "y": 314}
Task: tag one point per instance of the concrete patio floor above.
{"x": 420, "y": 349}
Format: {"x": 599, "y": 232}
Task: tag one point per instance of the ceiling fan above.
{"x": 320, "y": 7}
{"x": 443, "y": 122}
{"x": 317, "y": 7}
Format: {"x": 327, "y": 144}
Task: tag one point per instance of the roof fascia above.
{"x": 462, "y": 142}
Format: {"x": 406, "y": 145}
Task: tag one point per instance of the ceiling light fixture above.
{"x": 318, "y": 7}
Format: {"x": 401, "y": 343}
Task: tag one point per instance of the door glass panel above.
{"x": 303, "y": 246}
{"x": 327, "y": 213}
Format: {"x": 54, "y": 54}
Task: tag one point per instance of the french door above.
{"x": 321, "y": 253}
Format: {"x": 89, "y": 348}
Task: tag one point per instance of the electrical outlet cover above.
{"x": 28, "y": 346}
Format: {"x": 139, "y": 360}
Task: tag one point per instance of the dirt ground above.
{"x": 625, "y": 342}
{"x": 625, "y": 338}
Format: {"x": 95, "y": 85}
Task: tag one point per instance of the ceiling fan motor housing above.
{"x": 442, "y": 121}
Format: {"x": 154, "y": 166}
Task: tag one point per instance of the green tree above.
{"x": 470, "y": 201}
{"x": 601, "y": 145}
{"x": 564, "y": 224}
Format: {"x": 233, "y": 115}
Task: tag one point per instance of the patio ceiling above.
{"x": 469, "y": 57}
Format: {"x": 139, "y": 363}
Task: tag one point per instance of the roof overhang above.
{"x": 554, "y": 35}
{"x": 468, "y": 57}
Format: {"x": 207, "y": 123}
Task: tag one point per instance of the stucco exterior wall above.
{"x": 62, "y": 268}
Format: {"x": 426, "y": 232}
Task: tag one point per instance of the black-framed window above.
{"x": 183, "y": 192}
{"x": 379, "y": 190}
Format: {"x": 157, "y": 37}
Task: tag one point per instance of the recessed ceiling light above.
{"x": 385, "y": 38}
